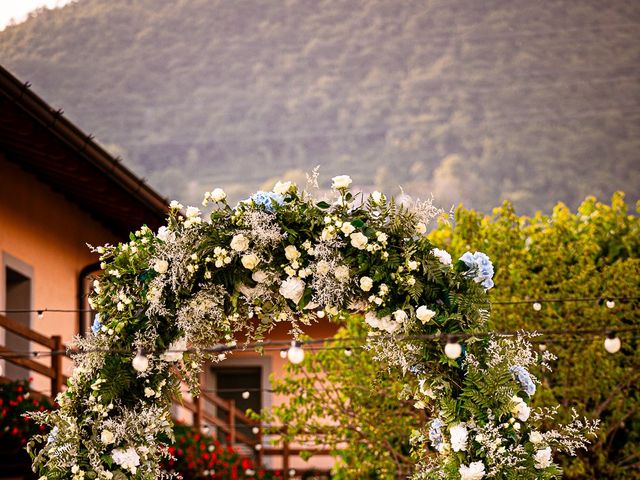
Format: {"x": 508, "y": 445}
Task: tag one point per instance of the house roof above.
{"x": 43, "y": 142}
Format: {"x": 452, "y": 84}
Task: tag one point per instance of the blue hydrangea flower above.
{"x": 524, "y": 378}
{"x": 265, "y": 199}
{"x": 480, "y": 268}
{"x": 97, "y": 325}
{"x": 435, "y": 434}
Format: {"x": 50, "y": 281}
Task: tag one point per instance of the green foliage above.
{"x": 591, "y": 253}
{"x": 454, "y": 101}
{"x": 357, "y": 408}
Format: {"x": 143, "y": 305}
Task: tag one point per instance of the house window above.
{"x": 230, "y": 383}
{"x": 17, "y": 297}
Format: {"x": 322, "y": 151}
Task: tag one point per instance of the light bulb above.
{"x": 140, "y": 362}
{"x": 542, "y": 347}
{"x": 453, "y": 349}
{"x": 348, "y": 351}
{"x": 537, "y": 306}
{"x": 283, "y": 353}
{"x": 258, "y": 447}
{"x": 612, "y": 343}
{"x": 40, "y": 314}
{"x": 320, "y": 313}
{"x": 205, "y": 429}
{"x": 246, "y": 394}
{"x": 1, "y": 368}
{"x": 295, "y": 353}
{"x": 292, "y": 472}
{"x": 255, "y": 430}
{"x": 610, "y": 304}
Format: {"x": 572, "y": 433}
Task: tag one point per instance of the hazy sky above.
{"x": 19, "y": 9}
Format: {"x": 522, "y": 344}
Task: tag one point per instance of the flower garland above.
{"x": 283, "y": 256}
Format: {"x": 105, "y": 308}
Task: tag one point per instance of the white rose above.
{"x": 282, "y": 188}
{"x": 442, "y": 255}
{"x": 175, "y": 205}
{"x": 377, "y": 197}
{"x": 218, "y": 195}
{"x": 535, "y": 437}
{"x": 459, "y": 436}
{"x": 372, "y": 319}
{"x": 193, "y": 212}
{"x": 175, "y": 350}
{"x": 366, "y": 284}
{"x": 474, "y": 471}
{"x": 347, "y": 228}
{"x": 543, "y": 458}
{"x": 400, "y": 316}
{"x": 382, "y": 237}
{"x": 239, "y": 243}
{"x": 163, "y": 233}
{"x": 520, "y": 409}
{"x": 161, "y": 266}
{"x": 341, "y": 181}
{"x": 250, "y": 261}
{"x": 293, "y": 289}
{"x": 259, "y": 276}
{"x": 327, "y": 234}
{"x": 389, "y": 325}
{"x": 359, "y": 240}
{"x": 342, "y": 273}
{"x": 323, "y": 267}
{"x": 424, "y": 314}
{"x": 291, "y": 252}
{"x": 106, "y": 437}
{"x": 421, "y": 228}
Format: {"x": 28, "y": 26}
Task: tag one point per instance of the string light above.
{"x": 542, "y": 346}
{"x": 283, "y": 353}
{"x": 140, "y": 362}
{"x": 610, "y": 304}
{"x": 246, "y": 394}
{"x": 255, "y": 430}
{"x": 258, "y": 447}
{"x": 205, "y": 429}
{"x": 1, "y": 368}
{"x": 348, "y": 351}
{"x": 40, "y": 314}
{"x": 292, "y": 472}
{"x": 612, "y": 343}
{"x": 537, "y": 306}
{"x": 320, "y": 313}
{"x": 295, "y": 354}
{"x": 453, "y": 349}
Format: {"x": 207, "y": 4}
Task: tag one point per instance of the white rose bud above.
{"x": 218, "y": 195}
{"x": 424, "y": 314}
{"x": 341, "y": 181}
{"x": 359, "y": 240}
{"x": 239, "y": 243}
{"x": 366, "y": 284}
{"x": 193, "y": 212}
{"x": 282, "y": 188}
{"x": 106, "y": 437}
{"x": 342, "y": 273}
{"x": 161, "y": 266}
{"x": 291, "y": 252}
{"x": 250, "y": 261}
{"x": 377, "y": 197}
{"x": 535, "y": 437}
{"x": 400, "y": 316}
{"x": 347, "y": 228}
{"x": 323, "y": 267}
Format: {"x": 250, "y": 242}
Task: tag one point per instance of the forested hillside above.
{"x": 472, "y": 101}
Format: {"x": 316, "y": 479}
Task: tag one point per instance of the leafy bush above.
{"x": 200, "y": 456}
{"x": 16, "y": 427}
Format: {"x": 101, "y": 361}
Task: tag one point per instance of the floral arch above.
{"x": 281, "y": 256}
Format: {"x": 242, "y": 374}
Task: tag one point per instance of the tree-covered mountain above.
{"x": 471, "y": 101}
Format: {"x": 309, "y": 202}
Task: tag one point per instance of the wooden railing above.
{"x": 201, "y": 407}
{"x": 53, "y": 343}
